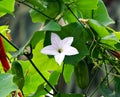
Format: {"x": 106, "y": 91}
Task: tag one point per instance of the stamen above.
{"x": 60, "y": 50}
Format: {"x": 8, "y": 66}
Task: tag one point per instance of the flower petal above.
{"x": 59, "y": 58}
{"x": 70, "y": 51}
{"x": 49, "y": 50}
{"x": 55, "y": 40}
{"x": 67, "y": 41}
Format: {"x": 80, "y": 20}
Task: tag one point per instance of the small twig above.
{"x": 93, "y": 36}
{"x": 75, "y": 16}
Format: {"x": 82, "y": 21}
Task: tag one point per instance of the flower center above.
{"x": 60, "y": 50}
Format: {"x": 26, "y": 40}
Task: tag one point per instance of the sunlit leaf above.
{"x": 67, "y": 73}
{"x": 91, "y": 4}
{"x": 18, "y": 74}
{"x": 6, "y": 6}
{"x": 81, "y": 4}
{"x": 99, "y": 29}
{"x": 31, "y": 78}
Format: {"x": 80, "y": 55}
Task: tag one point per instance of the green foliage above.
{"x": 18, "y": 74}
{"x": 98, "y": 46}
{"x": 101, "y": 11}
{"x": 49, "y": 8}
{"x": 68, "y": 71}
{"x": 6, "y": 6}
{"x": 51, "y": 26}
{"x": 6, "y": 84}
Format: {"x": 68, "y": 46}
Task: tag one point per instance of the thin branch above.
{"x": 9, "y": 42}
{"x": 41, "y": 74}
{"x": 93, "y": 36}
{"x": 75, "y": 16}
{"x": 31, "y": 63}
{"x": 48, "y": 92}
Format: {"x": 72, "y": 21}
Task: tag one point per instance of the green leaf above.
{"x": 54, "y": 77}
{"x": 117, "y": 35}
{"x": 111, "y": 41}
{"x": 35, "y": 3}
{"x": 81, "y": 4}
{"x": 7, "y": 46}
{"x": 51, "y": 26}
{"x": 6, "y": 6}
{"x": 3, "y": 29}
{"x": 101, "y": 14}
{"x": 6, "y": 84}
{"x": 37, "y": 17}
{"x": 49, "y": 10}
{"x": 40, "y": 91}
{"x": 98, "y": 28}
{"x": 69, "y": 95}
{"x": 86, "y": 4}
{"x": 43, "y": 62}
{"x": 53, "y": 81}
{"x": 31, "y": 78}
{"x": 107, "y": 36}
{"x": 69, "y": 17}
{"x": 68, "y": 71}
{"x": 18, "y": 74}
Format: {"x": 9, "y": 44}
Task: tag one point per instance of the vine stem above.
{"x": 41, "y": 74}
{"x": 55, "y": 92}
{"x": 75, "y": 16}
{"x": 93, "y": 36}
{"x": 22, "y": 2}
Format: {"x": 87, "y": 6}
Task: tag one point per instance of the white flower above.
{"x": 59, "y": 48}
